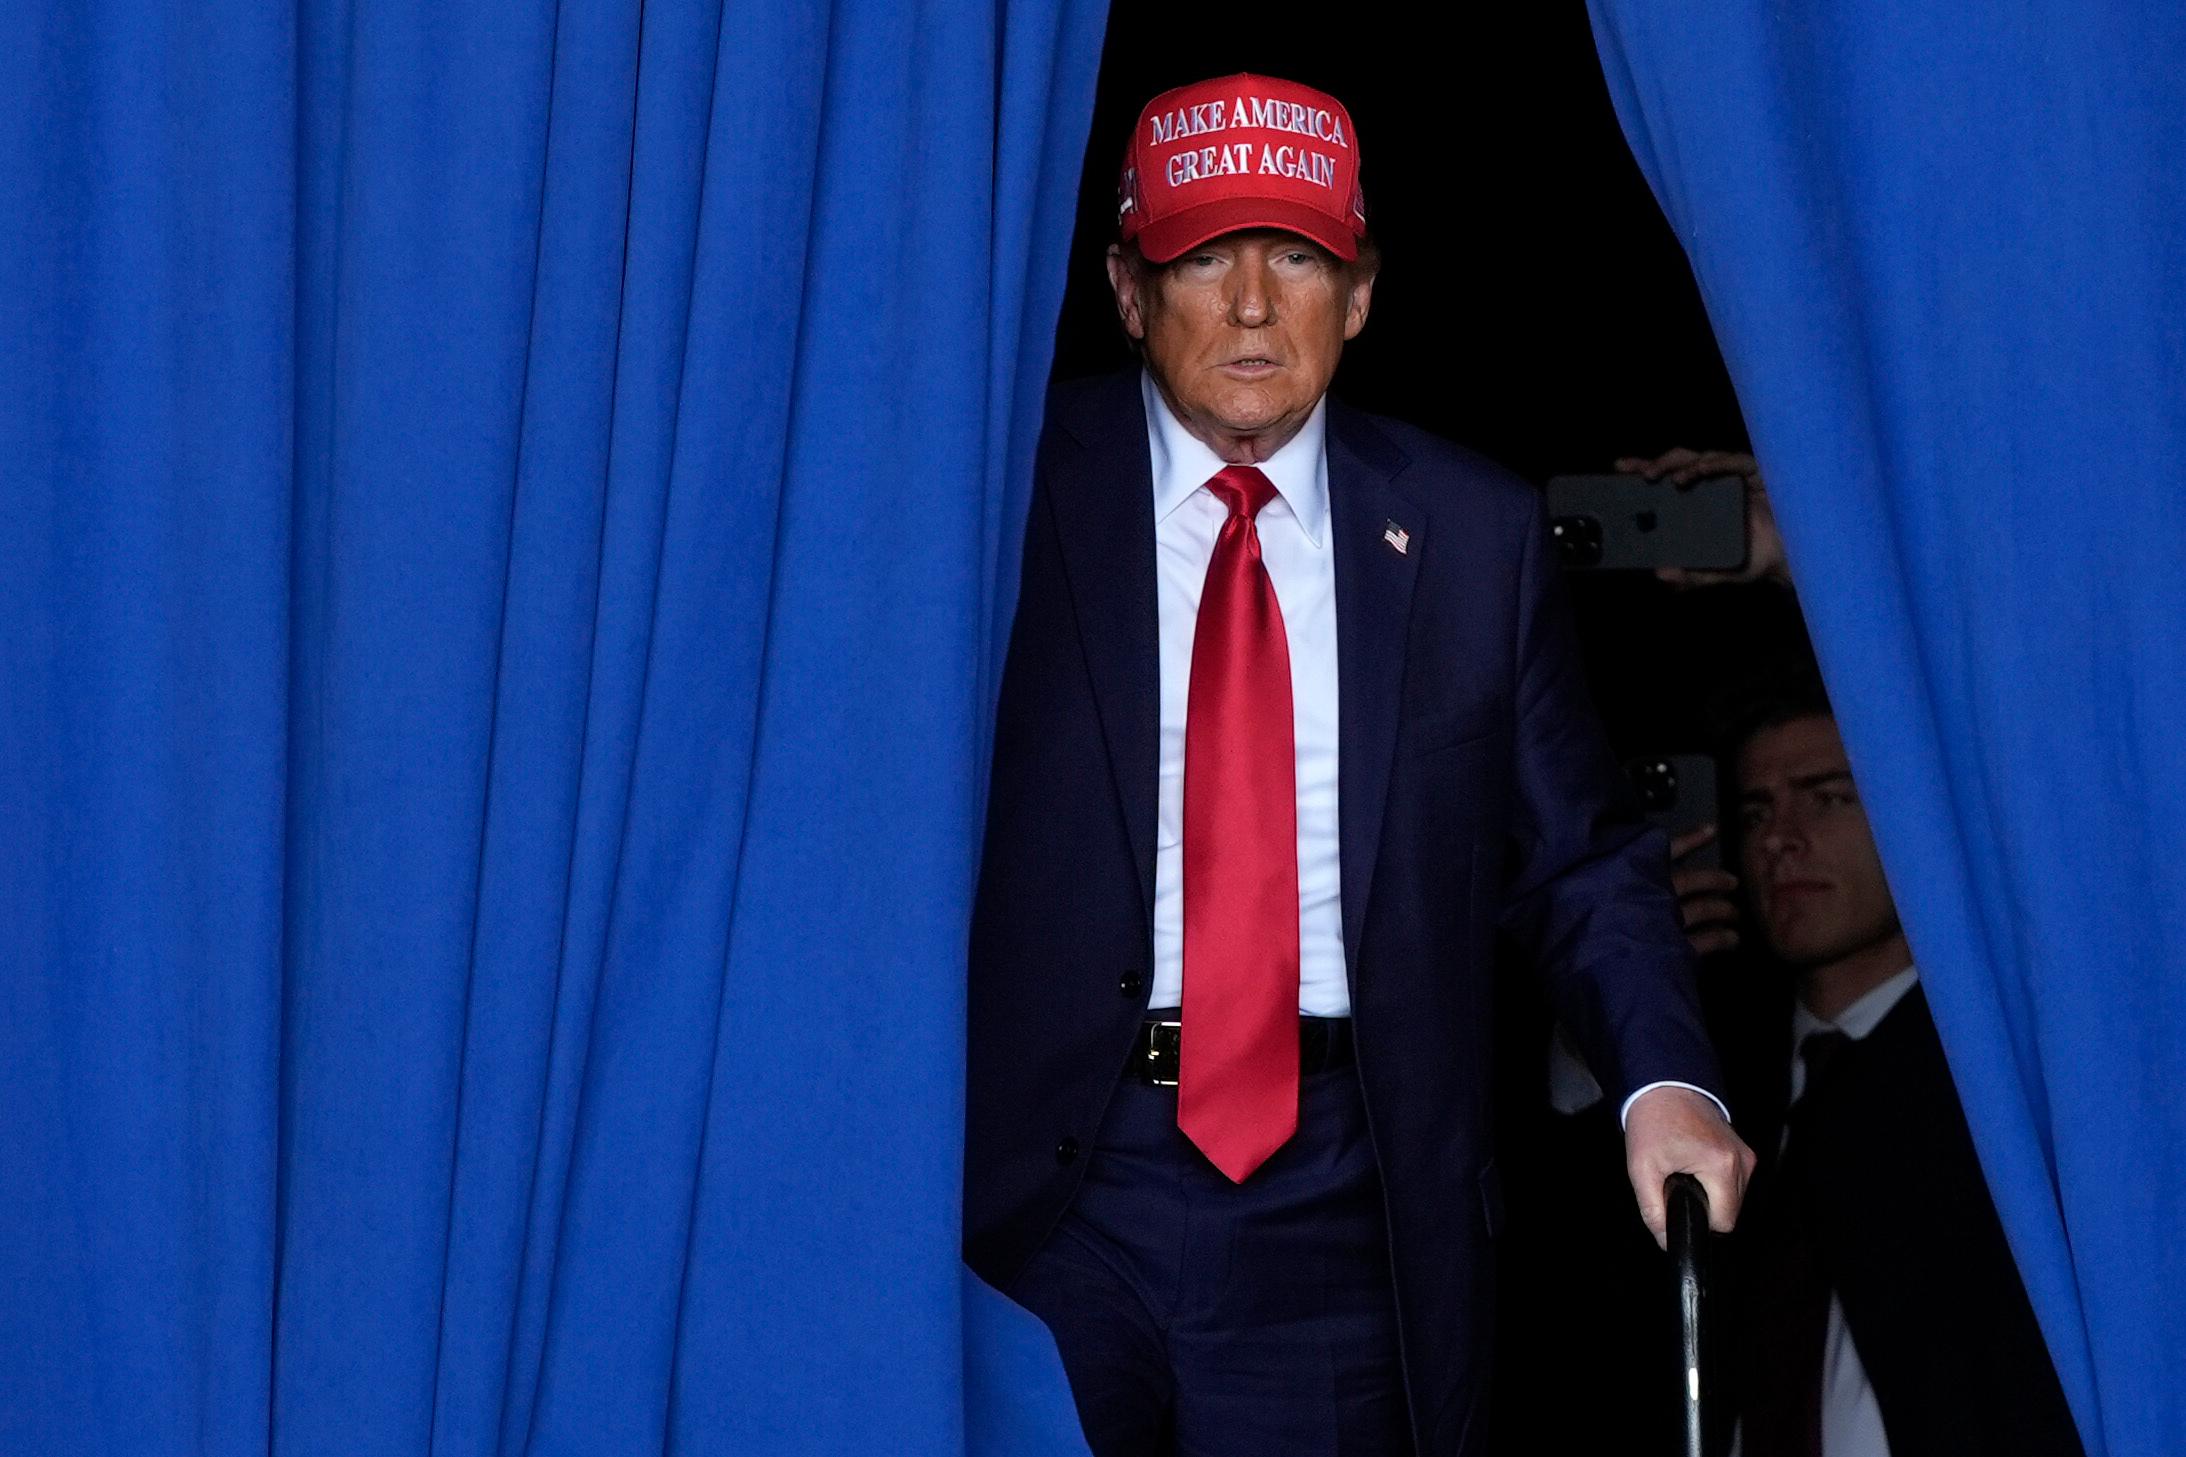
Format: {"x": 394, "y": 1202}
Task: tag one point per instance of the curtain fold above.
{"x": 503, "y": 572}
{"x": 1944, "y": 249}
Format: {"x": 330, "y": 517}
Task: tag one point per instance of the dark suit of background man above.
{"x": 1292, "y": 722}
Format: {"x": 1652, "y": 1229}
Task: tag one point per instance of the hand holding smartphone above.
{"x": 1631, "y": 523}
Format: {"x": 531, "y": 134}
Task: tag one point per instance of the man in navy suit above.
{"x": 1292, "y": 724}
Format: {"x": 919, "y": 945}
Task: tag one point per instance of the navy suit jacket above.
{"x": 1475, "y": 792}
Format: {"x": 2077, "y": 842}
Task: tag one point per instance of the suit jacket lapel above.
{"x": 1374, "y": 581}
{"x": 1103, "y": 495}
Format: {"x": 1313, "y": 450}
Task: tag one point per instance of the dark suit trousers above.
{"x": 1210, "y": 1319}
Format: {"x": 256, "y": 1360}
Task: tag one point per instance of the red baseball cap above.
{"x": 1244, "y": 151}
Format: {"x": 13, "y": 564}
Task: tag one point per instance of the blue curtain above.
{"x": 1944, "y": 248}
{"x": 503, "y": 564}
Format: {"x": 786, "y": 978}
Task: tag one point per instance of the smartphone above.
{"x": 1679, "y": 794}
{"x": 1629, "y": 523}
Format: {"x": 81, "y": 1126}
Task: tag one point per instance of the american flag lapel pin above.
{"x": 1400, "y": 540}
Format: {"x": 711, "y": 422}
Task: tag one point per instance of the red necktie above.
{"x": 1237, "y": 1083}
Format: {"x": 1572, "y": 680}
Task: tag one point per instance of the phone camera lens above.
{"x": 1578, "y": 540}
{"x": 1656, "y": 780}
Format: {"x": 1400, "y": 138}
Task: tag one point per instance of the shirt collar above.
{"x": 1183, "y": 463}
{"x": 1861, "y": 1018}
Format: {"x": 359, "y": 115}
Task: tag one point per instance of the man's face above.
{"x": 1242, "y": 334}
{"x": 1809, "y": 860}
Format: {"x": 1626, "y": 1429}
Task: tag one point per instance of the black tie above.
{"x": 1818, "y": 1050}
{"x": 1791, "y": 1284}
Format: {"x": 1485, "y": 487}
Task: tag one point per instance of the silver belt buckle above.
{"x": 1163, "y": 1058}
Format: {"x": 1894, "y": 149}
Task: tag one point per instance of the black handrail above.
{"x": 1688, "y": 1218}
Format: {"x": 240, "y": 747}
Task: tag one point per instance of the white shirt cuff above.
{"x": 1626, "y": 1111}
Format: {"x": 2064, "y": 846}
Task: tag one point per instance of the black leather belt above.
{"x": 1323, "y": 1043}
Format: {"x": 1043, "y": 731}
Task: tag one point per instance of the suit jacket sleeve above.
{"x": 1587, "y": 894}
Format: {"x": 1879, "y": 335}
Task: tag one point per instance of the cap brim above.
{"x": 1179, "y": 233}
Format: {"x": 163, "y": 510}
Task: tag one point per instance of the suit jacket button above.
{"x": 1066, "y": 1152}
{"x": 1133, "y": 984}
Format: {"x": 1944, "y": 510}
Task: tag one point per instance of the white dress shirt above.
{"x": 1295, "y": 548}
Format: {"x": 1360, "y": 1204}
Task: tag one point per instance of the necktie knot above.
{"x": 1242, "y": 489}
{"x": 1818, "y": 1050}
